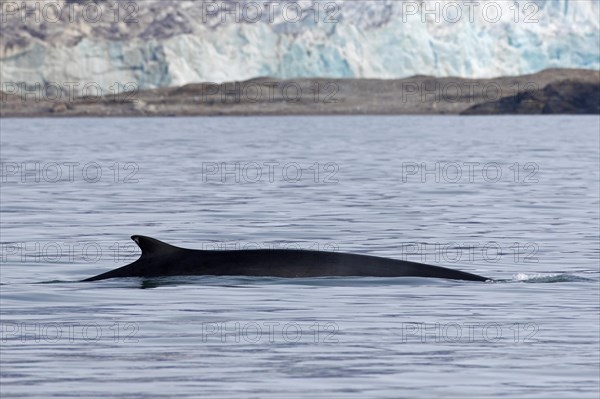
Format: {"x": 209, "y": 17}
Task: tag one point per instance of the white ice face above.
{"x": 179, "y": 42}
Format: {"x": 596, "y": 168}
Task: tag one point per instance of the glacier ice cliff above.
{"x": 160, "y": 43}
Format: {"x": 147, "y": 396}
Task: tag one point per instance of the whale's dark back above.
{"x": 161, "y": 259}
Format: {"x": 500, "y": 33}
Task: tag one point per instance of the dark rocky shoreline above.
{"x": 553, "y": 91}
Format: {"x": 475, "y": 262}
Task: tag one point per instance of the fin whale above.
{"x": 162, "y": 259}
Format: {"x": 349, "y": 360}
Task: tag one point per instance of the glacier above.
{"x": 173, "y": 43}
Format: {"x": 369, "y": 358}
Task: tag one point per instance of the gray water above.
{"x": 524, "y": 209}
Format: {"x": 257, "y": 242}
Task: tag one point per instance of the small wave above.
{"x": 548, "y": 278}
{"x": 236, "y": 281}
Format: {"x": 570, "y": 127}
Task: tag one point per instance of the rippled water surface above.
{"x": 511, "y": 198}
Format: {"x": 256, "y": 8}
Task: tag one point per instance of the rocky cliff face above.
{"x": 562, "y": 97}
{"x": 161, "y": 43}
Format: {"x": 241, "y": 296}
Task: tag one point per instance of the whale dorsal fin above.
{"x": 152, "y": 246}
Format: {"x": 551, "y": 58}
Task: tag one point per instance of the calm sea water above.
{"x": 511, "y": 198}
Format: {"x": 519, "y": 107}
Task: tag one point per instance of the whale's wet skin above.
{"x": 161, "y": 259}
{"x": 192, "y": 336}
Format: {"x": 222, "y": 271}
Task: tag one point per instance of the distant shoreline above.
{"x": 553, "y": 91}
